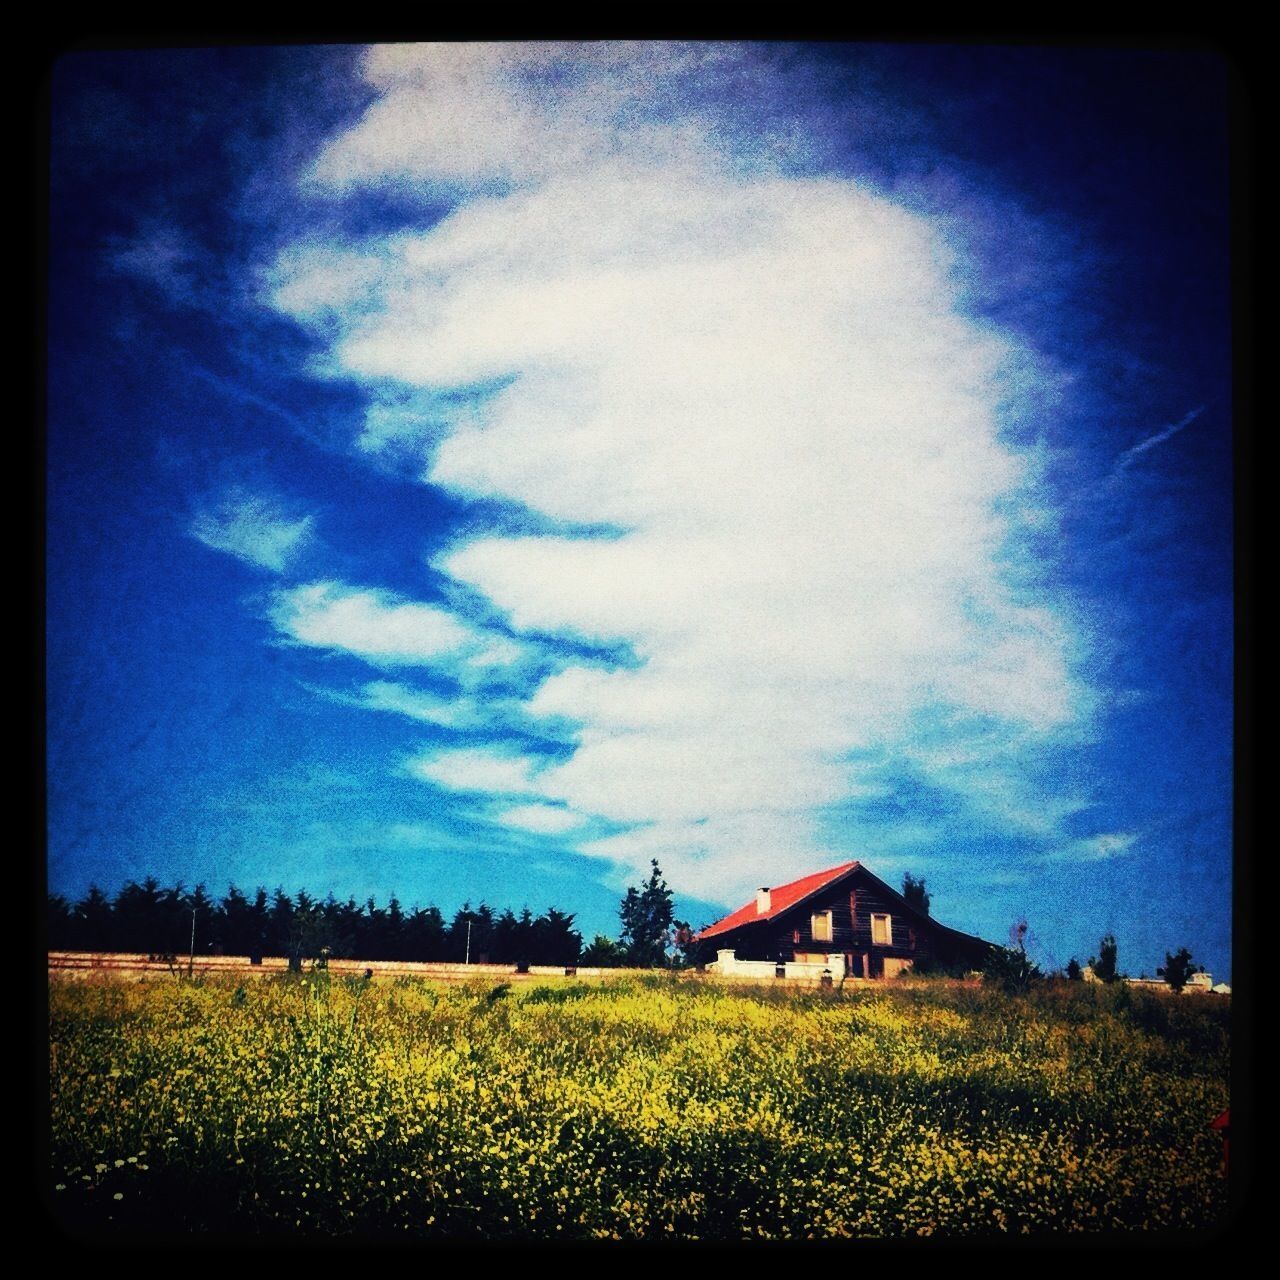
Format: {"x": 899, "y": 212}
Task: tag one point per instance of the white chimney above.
{"x": 762, "y": 901}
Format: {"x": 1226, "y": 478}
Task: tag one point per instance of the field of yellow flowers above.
{"x": 643, "y": 1107}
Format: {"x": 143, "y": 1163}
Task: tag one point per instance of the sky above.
{"x": 476, "y": 470}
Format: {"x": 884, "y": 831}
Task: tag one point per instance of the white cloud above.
{"x": 546, "y": 819}
{"x": 1098, "y": 848}
{"x": 252, "y": 528}
{"x": 766, "y": 383}
{"x": 386, "y": 695}
{"x": 497, "y": 651}
{"x": 374, "y": 625}
{"x": 477, "y": 770}
{"x": 723, "y": 857}
{"x": 469, "y": 116}
{"x": 321, "y": 284}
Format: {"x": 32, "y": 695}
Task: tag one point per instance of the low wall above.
{"x": 727, "y": 965}
{"x": 71, "y": 963}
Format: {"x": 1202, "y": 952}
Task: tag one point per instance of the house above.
{"x": 843, "y": 920}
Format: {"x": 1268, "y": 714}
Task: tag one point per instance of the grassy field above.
{"x": 648, "y": 1107}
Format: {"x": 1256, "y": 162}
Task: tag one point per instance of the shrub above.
{"x": 1104, "y": 963}
{"x": 1011, "y": 969}
{"x": 1177, "y": 969}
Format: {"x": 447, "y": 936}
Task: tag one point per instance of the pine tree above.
{"x": 425, "y": 934}
{"x": 94, "y": 922}
{"x": 646, "y": 913}
{"x": 556, "y": 941}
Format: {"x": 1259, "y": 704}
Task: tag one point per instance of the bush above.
{"x": 1104, "y": 963}
{"x": 603, "y": 953}
{"x": 1011, "y": 969}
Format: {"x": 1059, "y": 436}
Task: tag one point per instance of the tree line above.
{"x": 148, "y": 918}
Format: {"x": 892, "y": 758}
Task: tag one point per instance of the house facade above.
{"x": 843, "y": 920}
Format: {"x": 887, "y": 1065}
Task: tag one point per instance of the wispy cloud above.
{"x": 1098, "y": 848}
{"x": 480, "y": 117}
{"x": 546, "y": 819}
{"x": 386, "y": 695}
{"x": 378, "y": 627}
{"x": 253, "y": 528}
{"x": 1127, "y": 459}
{"x": 483, "y": 770}
{"x": 766, "y": 383}
{"x": 163, "y": 255}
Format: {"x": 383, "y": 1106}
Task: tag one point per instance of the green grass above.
{"x": 638, "y": 1108}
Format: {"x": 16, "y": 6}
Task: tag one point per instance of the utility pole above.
{"x": 468, "y": 959}
{"x": 191, "y": 959}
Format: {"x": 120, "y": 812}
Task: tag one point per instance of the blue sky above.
{"x": 475, "y": 470}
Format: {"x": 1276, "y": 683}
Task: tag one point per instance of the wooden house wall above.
{"x": 852, "y": 904}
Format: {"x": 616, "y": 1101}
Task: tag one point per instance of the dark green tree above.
{"x": 140, "y": 917}
{"x": 515, "y": 939}
{"x": 308, "y": 938}
{"x": 646, "y": 913}
{"x": 1104, "y": 963}
{"x": 555, "y": 940}
{"x": 425, "y": 934}
{"x": 914, "y": 892}
{"x": 690, "y": 949}
{"x": 237, "y": 925}
{"x": 1074, "y": 972}
{"x": 603, "y": 953}
{"x": 372, "y": 933}
{"x": 201, "y": 909}
{"x": 258, "y": 924}
{"x": 506, "y": 945}
{"x": 479, "y": 942}
{"x": 395, "y": 929}
{"x": 279, "y": 924}
{"x": 336, "y": 924}
{"x": 1177, "y": 968}
{"x": 94, "y": 924}
{"x": 175, "y": 905}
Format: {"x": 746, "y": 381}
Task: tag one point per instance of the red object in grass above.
{"x": 1223, "y": 1125}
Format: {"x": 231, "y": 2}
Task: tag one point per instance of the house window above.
{"x": 881, "y": 930}
{"x": 821, "y": 929}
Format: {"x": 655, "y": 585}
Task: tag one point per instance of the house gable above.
{"x": 846, "y": 909}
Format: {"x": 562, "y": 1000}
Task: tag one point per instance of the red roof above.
{"x": 780, "y": 899}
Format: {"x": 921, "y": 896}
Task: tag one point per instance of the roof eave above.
{"x": 791, "y": 906}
